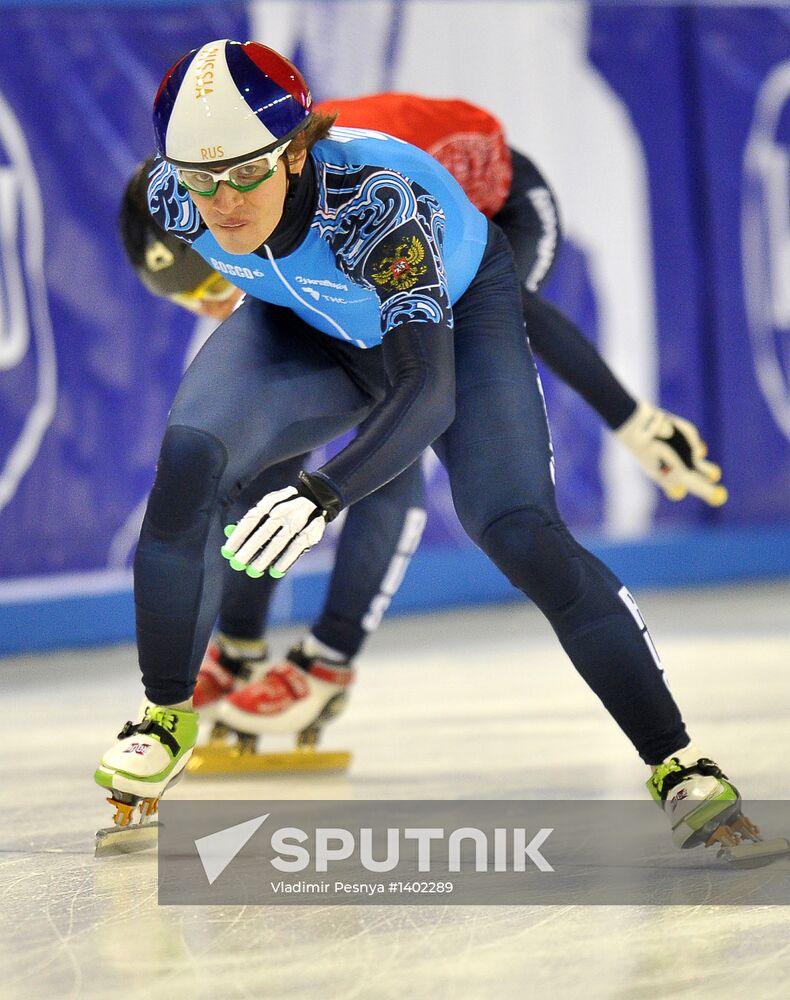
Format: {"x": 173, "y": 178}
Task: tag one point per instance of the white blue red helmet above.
{"x": 227, "y": 102}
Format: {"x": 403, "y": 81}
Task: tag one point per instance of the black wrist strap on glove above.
{"x": 319, "y": 491}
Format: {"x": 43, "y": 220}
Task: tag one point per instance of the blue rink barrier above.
{"x": 102, "y": 612}
{"x": 104, "y": 4}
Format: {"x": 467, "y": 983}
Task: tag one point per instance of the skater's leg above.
{"x": 380, "y": 535}
{"x": 259, "y": 392}
{"x": 498, "y": 456}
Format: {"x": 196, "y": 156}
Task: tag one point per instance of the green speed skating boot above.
{"x": 704, "y": 807}
{"x": 147, "y": 758}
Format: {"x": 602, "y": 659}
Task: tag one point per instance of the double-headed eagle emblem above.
{"x": 402, "y": 268}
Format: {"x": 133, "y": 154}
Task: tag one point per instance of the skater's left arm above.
{"x": 420, "y": 406}
{"x": 405, "y": 266}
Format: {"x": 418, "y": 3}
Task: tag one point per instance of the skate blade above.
{"x": 757, "y": 854}
{"x": 213, "y": 759}
{"x": 115, "y": 840}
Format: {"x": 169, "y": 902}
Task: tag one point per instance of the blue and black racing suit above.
{"x": 385, "y": 299}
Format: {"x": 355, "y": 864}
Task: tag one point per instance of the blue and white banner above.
{"x": 664, "y": 132}
{"x": 743, "y": 68}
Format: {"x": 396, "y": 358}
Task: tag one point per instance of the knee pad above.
{"x": 191, "y": 464}
{"x": 535, "y": 552}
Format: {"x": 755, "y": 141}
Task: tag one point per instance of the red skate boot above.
{"x": 228, "y": 664}
{"x": 298, "y": 696}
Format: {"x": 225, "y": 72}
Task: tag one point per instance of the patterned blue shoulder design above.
{"x": 169, "y": 203}
{"x": 386, "y": 233}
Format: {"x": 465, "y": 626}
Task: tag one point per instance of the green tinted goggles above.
{"x": 243, "y": 177}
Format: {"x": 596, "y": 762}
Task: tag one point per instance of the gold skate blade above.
{"x": 756, "y": 854}
{"x": 114, "y": 840}
{"x": 218, "y": 759}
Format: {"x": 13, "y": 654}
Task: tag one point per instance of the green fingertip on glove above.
{"x": 229, "y": 529}
{"x": 236, "y": 564}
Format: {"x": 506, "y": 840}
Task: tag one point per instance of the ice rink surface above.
{"x": 480, "y": 704}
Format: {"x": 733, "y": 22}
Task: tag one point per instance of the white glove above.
{"x": 672, "y": 453}
{"x": 274, "y": 533}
